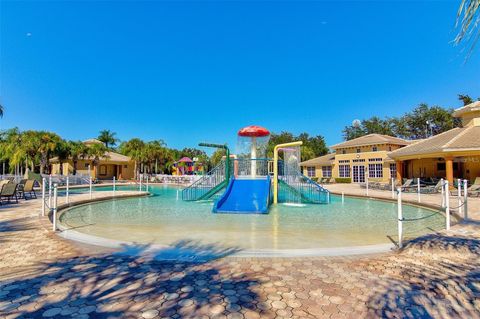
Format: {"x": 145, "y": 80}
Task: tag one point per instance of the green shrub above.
{"x": 343, "y": 180}
{"x": 315, "y": 179}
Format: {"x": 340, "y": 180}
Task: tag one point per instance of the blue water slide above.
{"x": 245, "y": 196}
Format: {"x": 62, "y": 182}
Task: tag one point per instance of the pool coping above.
{"x": 257, "y": 253}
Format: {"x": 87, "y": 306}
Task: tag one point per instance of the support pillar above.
{"x": 399, "y": 176}
{"x": 449, "y": 170}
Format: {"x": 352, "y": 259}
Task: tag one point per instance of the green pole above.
{"x": 227, "y": 153}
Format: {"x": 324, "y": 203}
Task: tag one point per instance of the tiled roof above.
{"x": 456, "y": 139}
{"x": 472, "y": 107}
{"x": 372, "y": 139}
{"x": 322, "y": 160}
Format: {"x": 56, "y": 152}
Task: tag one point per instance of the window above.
{"x": 311, "y": 171}
{"x": 361, "y": 160}
{"x": 441, "y": 166}
{"x": 393, "y": 170}
{"x": 378, "y": 159}
{"x": 374, "y": 149}
{"x": 389, "y": 148}
{"x": 344, "y": 161}
{"x": 375, "y": 170}
{"x": 344, "y": 152}
{"x": 358, "y": 150}
{"x": 326, "y": 171}
{"x": 344, "y": 170}
{"x": 125, "y": 166}
{"x": 103, "y": 170}
{"x": 87, "y": 165}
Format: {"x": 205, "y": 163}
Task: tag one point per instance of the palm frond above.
{"x": 467, "y": 24}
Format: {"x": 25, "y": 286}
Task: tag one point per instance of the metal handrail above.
{"x": 206, "y": 186}
{"x": 305, "y": 189}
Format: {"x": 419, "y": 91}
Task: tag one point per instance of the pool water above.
{"x": 165, "y": 219}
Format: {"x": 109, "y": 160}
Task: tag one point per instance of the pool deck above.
{"x": 43, "y": 275}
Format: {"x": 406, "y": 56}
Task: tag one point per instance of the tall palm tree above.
{"x": 108, "y": 138}
{"x": 97, "y": 152}
{"x": 135, "y": 149}
{"x": 48, "y": 145}
{"x": 468, "y": 22}
{"x": 78, "y": 150}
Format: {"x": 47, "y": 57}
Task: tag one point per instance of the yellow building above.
{"x": 357, "y": 159}
{"x": 452, "y": 154}
{"x": 112, "y": 164}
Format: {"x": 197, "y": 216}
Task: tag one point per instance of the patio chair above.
{"x": 28, "y": 189}
{"x": 9, "y": 191}
{"x": 432, "y": 189}
{"x": 407, "y": 186}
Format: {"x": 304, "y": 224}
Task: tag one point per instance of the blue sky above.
{"x": 188, "y": 72}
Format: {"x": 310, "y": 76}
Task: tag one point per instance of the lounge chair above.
{"x": 9, "y": 191}
{"x": 28, "y": 189}
{"x": 407, "y": 186}
{"x": 432, "y": 189}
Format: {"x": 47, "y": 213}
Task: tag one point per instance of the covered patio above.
{"x": 450, "y": 155}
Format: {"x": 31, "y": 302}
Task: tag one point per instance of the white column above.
{"x": 141, "y": 177}
{"x": 418, "y": 189}
{"x": 459, "y": 195}
{"x": 465, "y": 199}
{"x": 253, "y": 156}
{"x": 366, "y": 181}
{"x": 400, "y": 217}
{"x": 50, "y": 191}
{"x": 55, "y": 205}
{"x": 90, "y": 185}
{"x": 393, "y": 188}
{"x": 113, "y": 185}
{"x": 443, "y": 192}
{"x": 68, "y": 190}
{"x": 447, "y": 206}
{"x": 44, "y": 180}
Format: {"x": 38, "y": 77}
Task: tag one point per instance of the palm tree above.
{"x": 108, "y": 138}
{"x": 97, "y": 151}
{"x": 135, "y": 149}
{"x": 468, "y": 21}
{"x": 78, "y": 150}
{"x": 48, "y": 145}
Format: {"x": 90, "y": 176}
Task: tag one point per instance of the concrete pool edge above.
{"x": 257, "y": 253}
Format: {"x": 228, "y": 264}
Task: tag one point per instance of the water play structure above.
{"x": 249, "y": 182}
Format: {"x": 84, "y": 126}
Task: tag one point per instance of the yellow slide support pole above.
{"x": 275, "y": 166}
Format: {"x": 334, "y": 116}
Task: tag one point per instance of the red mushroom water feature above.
{"x": 254, "y": 132}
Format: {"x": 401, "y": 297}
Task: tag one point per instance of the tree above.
{"x": 77, "y": 150}
{"x": 468, "y": 20}
{"x": 421, "y": 122}
{"x": 47, "y": 146}
{"x": 108, "y": 138}
{"x": 217, "y": 156}
{"x": 96, "y": 152}
{"x": 134, "y": 149}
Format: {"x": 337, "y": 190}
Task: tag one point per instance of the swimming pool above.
{"x": 165, "y": 219}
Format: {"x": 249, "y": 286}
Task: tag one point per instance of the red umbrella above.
{"x": 253, "y": 131}
{"x": 185, "y": 160}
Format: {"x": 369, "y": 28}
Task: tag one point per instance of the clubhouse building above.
{"x": 110, "y": 165}
{"x": 452, "y": 154}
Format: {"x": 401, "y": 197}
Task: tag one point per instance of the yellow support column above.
{"x": 275, "y": 166}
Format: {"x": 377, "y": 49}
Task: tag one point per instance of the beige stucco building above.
{"x": 112, "y": 164}
{"x": 357, "y": 159}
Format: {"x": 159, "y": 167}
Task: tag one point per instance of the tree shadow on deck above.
{"x": 444, "y": 286}
{"x": 125, "y": 285}
{"x": 7, "y": 227}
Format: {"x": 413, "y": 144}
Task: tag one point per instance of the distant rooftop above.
{"x": 372, "y": 139}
